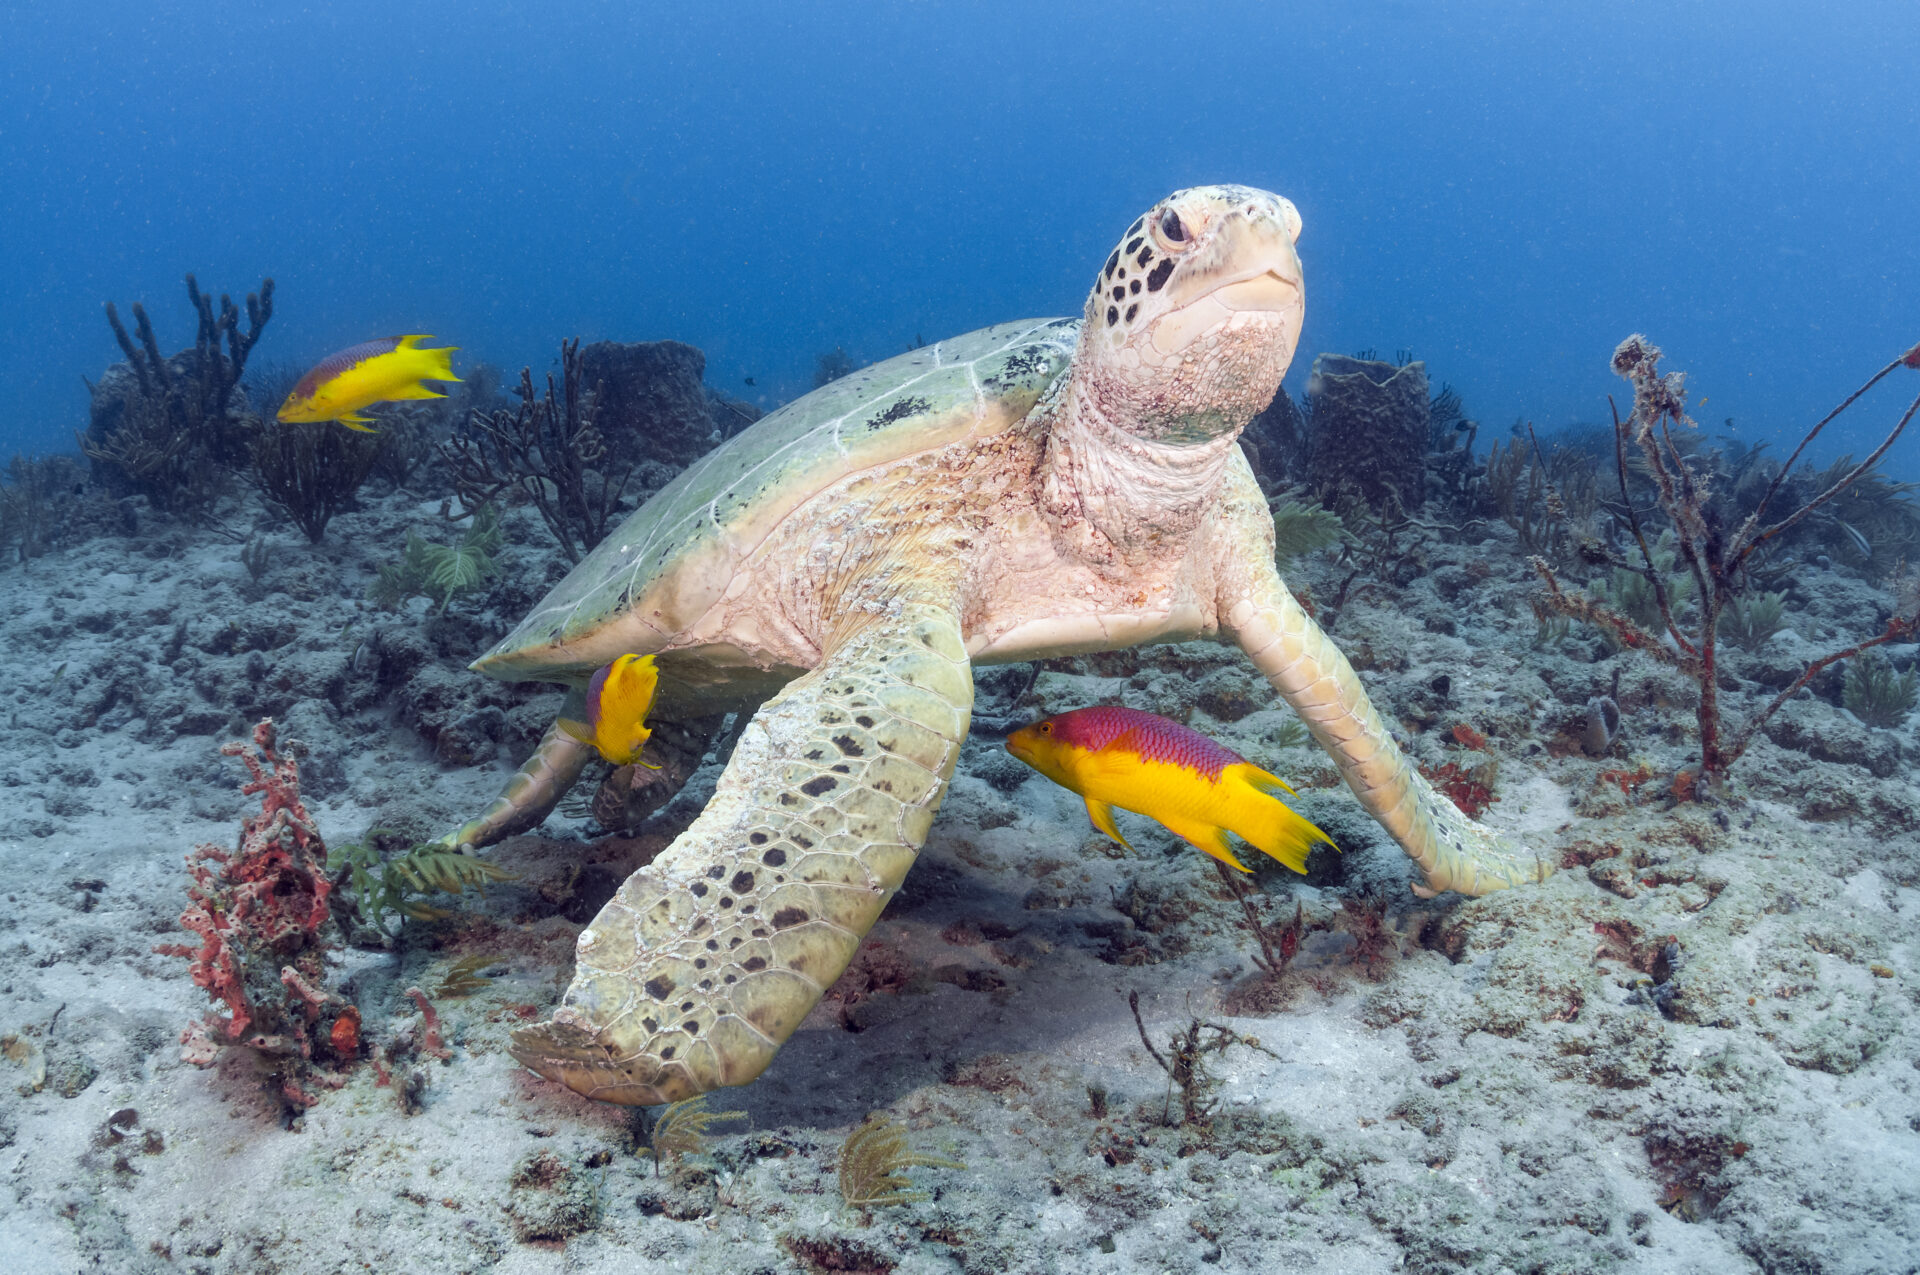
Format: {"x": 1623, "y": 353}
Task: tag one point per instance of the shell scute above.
{"x": 663, "y": 568}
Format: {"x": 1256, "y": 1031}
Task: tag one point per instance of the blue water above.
{"x": 1506, "y": 189}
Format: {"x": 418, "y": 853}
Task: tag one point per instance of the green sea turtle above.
{"x": 1039, "y": 488}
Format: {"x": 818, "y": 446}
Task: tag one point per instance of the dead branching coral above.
{"x": 1713, "y": 555}
{"x": 1186, "y": 1065}
{"x": 549, "y": 450}
{"x": 1277, "y": 946}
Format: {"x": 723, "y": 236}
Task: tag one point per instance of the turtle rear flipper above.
{"x": 706, "y": 959}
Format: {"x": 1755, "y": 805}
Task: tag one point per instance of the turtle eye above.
{"x": 1172, "y": 228}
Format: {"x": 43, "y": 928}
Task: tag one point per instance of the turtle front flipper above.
{"x": 1307, "y": 669}
{"x": 530, "y": 795}
{"x": 706, "y": 960}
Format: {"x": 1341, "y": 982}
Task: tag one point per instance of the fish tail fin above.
{"x": 1210, "y": 837}
{"x": 1269, "y": 823}
{"x": 439, "y": 364}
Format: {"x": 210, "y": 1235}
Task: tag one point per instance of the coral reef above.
{"x": 1368, "y": 424}
{"x": 34, "y": 500}
{"x": 169, "y": 428}
{"x": 310, "y": 470}
{"x": 650, "y": 404}
{"x": 831, "y": 366}
{"x": 550, "y": 451}
{"x": 1275, "y": 443}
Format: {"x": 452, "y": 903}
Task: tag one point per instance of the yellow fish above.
{"x": 618, "y": 698}
{"x": 1192, "y": 786}
{"x": 390, "y": 368}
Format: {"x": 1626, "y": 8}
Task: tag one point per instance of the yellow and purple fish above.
{"x": 359, "y": 376}
{"x": 1195, "y": 788}
{"x": 619, "y": 697}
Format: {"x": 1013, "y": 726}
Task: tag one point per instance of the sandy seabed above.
{"x": 1694, "y": 1049}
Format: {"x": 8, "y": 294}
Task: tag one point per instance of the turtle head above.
{"x": 1195, "y": 315}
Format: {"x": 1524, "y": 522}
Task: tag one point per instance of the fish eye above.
{"x": 1046, "y": 728}
{"x": 1172, "y": 228}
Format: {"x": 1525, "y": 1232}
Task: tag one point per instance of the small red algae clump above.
{"x": 1467, "y": 737}
{"x": 1463, "y": 787}
{"x": 345, "y": 1036}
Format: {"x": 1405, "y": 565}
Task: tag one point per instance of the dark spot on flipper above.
{"x": 715, "y": 872}
{"x": 758, "y": 839}
{"x": 864, "y": 720}
{"x": 790, "y": 916}
{"x": 774, "y": 858}
{"x": 848, "y": 748}
{"x": 819, "y": 785}
{"x": 659, "y": 987}
{"x": 754, "y": 964}
{"x": 742, "y": 882}
{"x": 698, "y": 889}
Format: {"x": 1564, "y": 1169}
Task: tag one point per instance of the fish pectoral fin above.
{"x": 1102, "y": 815}
{"x": 358, "y": 423}
{"x": 1209, "y": 837}
{"x": 575, "y": 729}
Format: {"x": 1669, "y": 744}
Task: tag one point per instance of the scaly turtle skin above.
{"x": 1034, "y": 489}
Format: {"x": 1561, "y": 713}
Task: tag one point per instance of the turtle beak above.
{"x": 1244, "y": 270}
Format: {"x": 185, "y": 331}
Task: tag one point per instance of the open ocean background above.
{"x": 1505, "y": 189}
